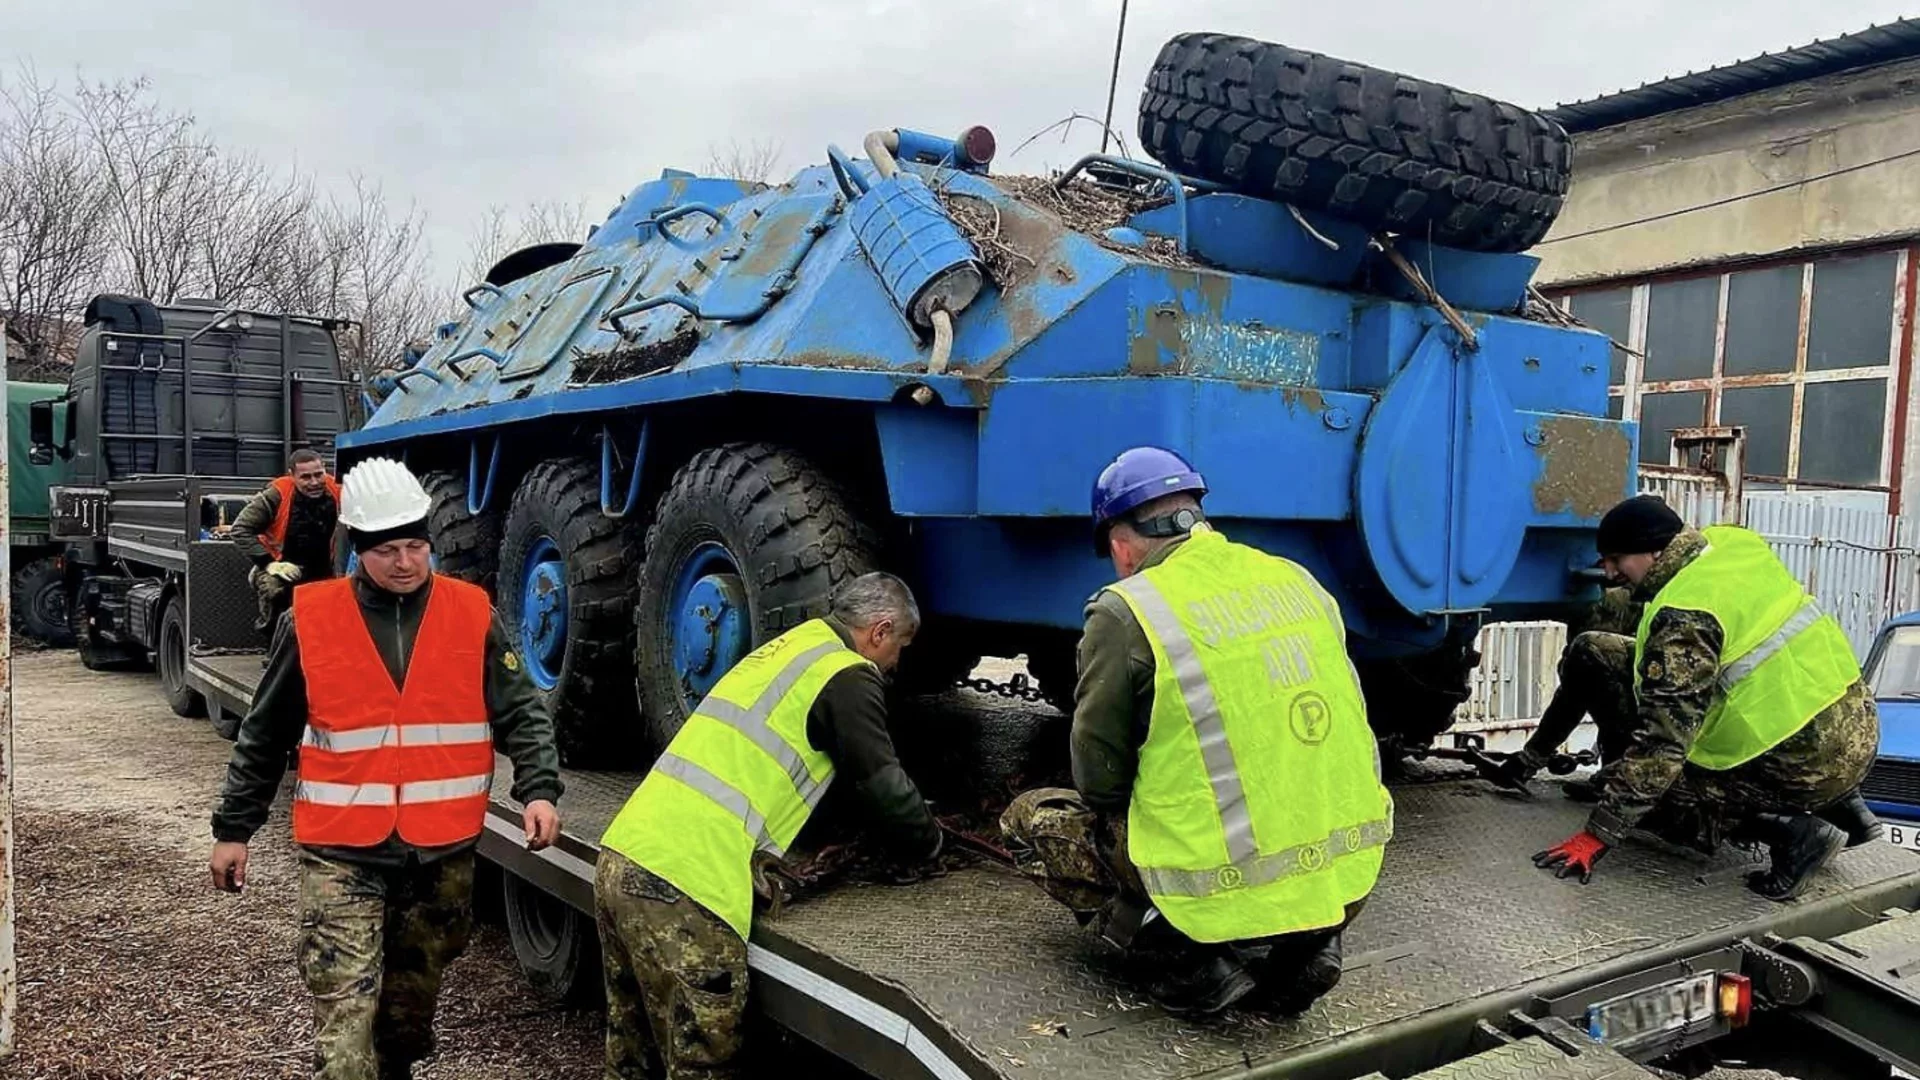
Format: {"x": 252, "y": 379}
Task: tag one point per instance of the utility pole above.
{"x": 9, "y": 971}
{"x": 1113, "y": 82}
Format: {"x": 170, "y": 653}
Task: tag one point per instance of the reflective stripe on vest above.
{"x": 1250, "y": 667}
{"x": 739, "y": 777}
{"x": 1782, "y": 660}
{"x": 379, "y": 760}
{"x": 275, "y": 538}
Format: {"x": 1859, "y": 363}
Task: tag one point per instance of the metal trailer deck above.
{"x": 978, "y": 974}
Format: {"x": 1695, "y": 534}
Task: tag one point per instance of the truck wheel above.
{"x": 95, "y": 653}
{"x": 565, "y": 599}
{"x": 226, "y": 722}
{"x": 1411, "y": 700}
{"x": 1379, "y": 149}
{"x": 40, "y": 601}
{"x": 749, "y": 541}
{"x": 172, "y": 661}
{"x": 556, "y": 946}
{"x": 465, "y": 546}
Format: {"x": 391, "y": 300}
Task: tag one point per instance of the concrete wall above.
{"x": 1736, "y": 147}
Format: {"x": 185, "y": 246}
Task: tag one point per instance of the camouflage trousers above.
{"x": 676, "y": 978}
{"x": 1816, "y": 767}
{"x": 1591, "y": 685}
{"x": 374, "y": 943}
{"x": 1079, "y": 857}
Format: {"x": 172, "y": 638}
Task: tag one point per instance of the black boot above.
{"x": 1204, "y": 985}
{"x": 1320, "y": 974}
{"x": 1852, "y": 817}
{"x": 1801, "y": 844}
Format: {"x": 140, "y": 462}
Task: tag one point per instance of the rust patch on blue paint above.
{"x": 1169, "y": 341}
{"x": 1583, "y": 465}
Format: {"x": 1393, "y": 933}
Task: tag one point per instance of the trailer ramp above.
{"x": 979, "y": 974}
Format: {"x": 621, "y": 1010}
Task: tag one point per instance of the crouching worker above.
{"x": 674, "y": 889}
{"x": 396, "y": 684}
{"x": 1229, "y": 810}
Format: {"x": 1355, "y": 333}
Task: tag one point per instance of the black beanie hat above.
{"x": 366, "y": 541}
{"x": 1642, "y": 525}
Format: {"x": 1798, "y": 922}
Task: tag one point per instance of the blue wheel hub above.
{"x": 708, "y": 621}
{"x": 543, "y": 613}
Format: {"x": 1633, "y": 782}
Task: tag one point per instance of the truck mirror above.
{"x": 40, "y": 431}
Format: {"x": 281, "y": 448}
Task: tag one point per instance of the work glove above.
{"x": 1575, "y": 855}
{"x": 285, "y": 571}
{"x": 1507, "y": 770}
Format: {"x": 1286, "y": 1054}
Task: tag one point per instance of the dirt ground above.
{"x": 132, "y": 966}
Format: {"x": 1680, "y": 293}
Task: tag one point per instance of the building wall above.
{"x": 1790, "y": 312}
{"x": 1702, "y": 155}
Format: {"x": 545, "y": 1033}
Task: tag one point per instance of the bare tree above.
{"x": 500, "y": 231}
{"x": 52, "y": 205}
{"x": 754, "y": 162}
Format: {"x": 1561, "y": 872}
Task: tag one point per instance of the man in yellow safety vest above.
{"x": 1228, "y": 818}
{"x": 1752, "y": 721}
{"x": 674, "y": 889}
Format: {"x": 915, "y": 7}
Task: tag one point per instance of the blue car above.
{"x": 1892, "y": 787}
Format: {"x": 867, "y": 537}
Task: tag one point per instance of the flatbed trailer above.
{"x": 1464, "y": 953}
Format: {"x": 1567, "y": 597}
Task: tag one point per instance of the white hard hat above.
{"x": 380, "y": 494}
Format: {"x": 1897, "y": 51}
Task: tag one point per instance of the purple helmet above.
{"x": 1137, "y": 476}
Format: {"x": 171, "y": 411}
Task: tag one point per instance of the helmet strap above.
{"x": 1179, "y": 523}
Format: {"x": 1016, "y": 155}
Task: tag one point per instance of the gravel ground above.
{"x": 132, "y": 966}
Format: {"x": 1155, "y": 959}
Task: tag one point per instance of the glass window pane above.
{"x": 1897, "y": 671}
{"x": 1660, "y": 414}
{"x": 1766, "y": 412}
{"x": 1680, "y": 318}
{"x": 1852, "y": 321}
{"x": 1613, "y": 405}
{"x": 1609, "y": 311}
{"x": 1841, "y": 425}
{"x": 1763, "y": 321}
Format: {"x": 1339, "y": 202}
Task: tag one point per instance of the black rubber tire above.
{"x": 557, "y": 947}
{"x": 591, "y": 702}
{"x": 792, "y": 531}
{"x": 1411, "y": 700}
{"x": 226, "y": 722}
{"x": 97, "y": 654}
{"x": 171, "y": 659}
{"x": 40, "y": 601}
{"x": 465, "y": 546}
{"x": 1379, "y": 149}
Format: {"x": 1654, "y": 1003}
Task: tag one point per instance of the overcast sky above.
{"x": 459, "y": 105}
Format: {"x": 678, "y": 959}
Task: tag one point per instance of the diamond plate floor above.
{"x": 1460, "y": 912}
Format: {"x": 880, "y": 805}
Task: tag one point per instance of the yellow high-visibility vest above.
{"x": 740, "y": 776}
{"x": 1258, "y": 807}
{"x": 1782, "y": 660}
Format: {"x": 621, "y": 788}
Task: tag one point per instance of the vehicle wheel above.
{"x": 226, "y": 722}
{"x": 1373, "y": 147}
{"x": 564, "y": 595}
{"x": 172, "y": 662}
{"x": 556, "y": 946}
{"x": 465, "y": 546}
{"x": 1411, "y": 700}
{"x": 97, "y": 654}
{"x": 40, "y": 601}
{"x": 749, "y": 541}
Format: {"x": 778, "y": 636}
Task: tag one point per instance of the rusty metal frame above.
{"x": 9, "y": 970}
{"x": 1895, "y": 373}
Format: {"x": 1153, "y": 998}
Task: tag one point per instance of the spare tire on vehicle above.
{"x": 1386, "y": 152}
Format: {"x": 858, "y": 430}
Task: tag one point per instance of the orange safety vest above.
{"x": 275, "y": 538}
{"x": 376, "y": 759}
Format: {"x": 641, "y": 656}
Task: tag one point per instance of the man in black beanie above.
{"x": 1751, "y": 720}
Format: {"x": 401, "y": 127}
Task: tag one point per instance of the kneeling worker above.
{"x": 1228, "y": 783}
{"x": 396, "y": 684}
{"x": 287, "y": 530}
{"x": 674, "y": 889}
{"x": 1752, "y": 719}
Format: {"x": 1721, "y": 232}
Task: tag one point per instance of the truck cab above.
{"x": 1892, "y": 787}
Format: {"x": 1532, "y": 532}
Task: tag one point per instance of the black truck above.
{"x": 175, "y": 416}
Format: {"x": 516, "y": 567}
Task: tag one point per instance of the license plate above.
{"x": 1904, "y": 834}
{"x": 1657, "y": 1010}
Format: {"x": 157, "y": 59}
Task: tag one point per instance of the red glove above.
{"x": 1576, "y": 855}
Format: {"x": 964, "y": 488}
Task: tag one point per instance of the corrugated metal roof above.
{"x": 1874, "y": 45}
